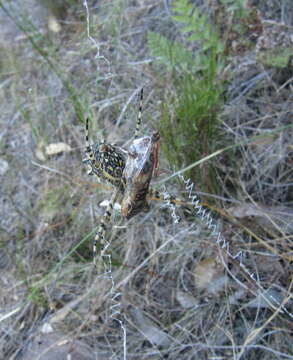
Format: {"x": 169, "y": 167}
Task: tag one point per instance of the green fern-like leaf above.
{"x": 197, "y": 25}
{"x": 189, "y": 121}
{"x": 183, "y": 8}
{"x": 172, "y": 54}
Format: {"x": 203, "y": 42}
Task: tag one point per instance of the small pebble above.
{"x": 3, "y": 166}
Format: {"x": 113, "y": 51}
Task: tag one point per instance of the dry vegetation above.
{"x": 181, "y": 296}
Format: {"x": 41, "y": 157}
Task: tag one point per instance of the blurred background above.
{"x": 217, "y": 78}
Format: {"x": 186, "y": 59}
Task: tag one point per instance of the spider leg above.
{"x": 138, "y": 123}
{"x": 100, "y": 235}
{"x": 157, "y": 195}
{"x": 156, "y": 141}
{"x": 88, "y": 149}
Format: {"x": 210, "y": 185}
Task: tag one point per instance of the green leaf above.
{"x": 171, "y": 53}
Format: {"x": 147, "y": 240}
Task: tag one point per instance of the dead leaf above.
{"x": 53, "y": 24}
{"x": 149, "y": 329}
{"x": 209, "y": 275}
{"x": 40, "y": 155}
{"x": 186, "y": 300}
{"x": 56, "y": 346}
{"x": 57, "y": 148}
{"x": 40, "y": 151}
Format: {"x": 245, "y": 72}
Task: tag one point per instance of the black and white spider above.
{"x": 128, "y": 170}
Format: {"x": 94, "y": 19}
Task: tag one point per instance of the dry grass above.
{"x": 181, "y": 295}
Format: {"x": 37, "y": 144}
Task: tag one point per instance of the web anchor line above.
{"x": 115, "y": 307}
{"x": 115, "y": 304}
{"x": 98, "y": 56}
{"x": 206, "y": 217}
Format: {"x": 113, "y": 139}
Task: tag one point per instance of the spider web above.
{"x": 115, "y": 304}
{"x": 202, "y": 213}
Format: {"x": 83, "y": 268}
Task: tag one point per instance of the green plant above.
{"x": 189, "y": 122}
{"x": 278, "y": 57}
{"x": 36, "y": 296}
{"x": 236, "y": 7}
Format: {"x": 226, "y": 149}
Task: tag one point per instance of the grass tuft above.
{"x": 189, "y": 124}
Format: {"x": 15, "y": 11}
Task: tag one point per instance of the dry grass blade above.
{"x": 217, "y": 77}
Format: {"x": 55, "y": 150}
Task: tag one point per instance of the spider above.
{"x": 130, "y": 172}
{"x": 105, "y": 160}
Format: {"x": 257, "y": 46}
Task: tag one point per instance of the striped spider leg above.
{"x": 138, "y": 122}
{"x": 101, "y": 232}
{"x": 140, "y": 165}
{"x": 107, "y": 161}
{"x": 130, "y": 172}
